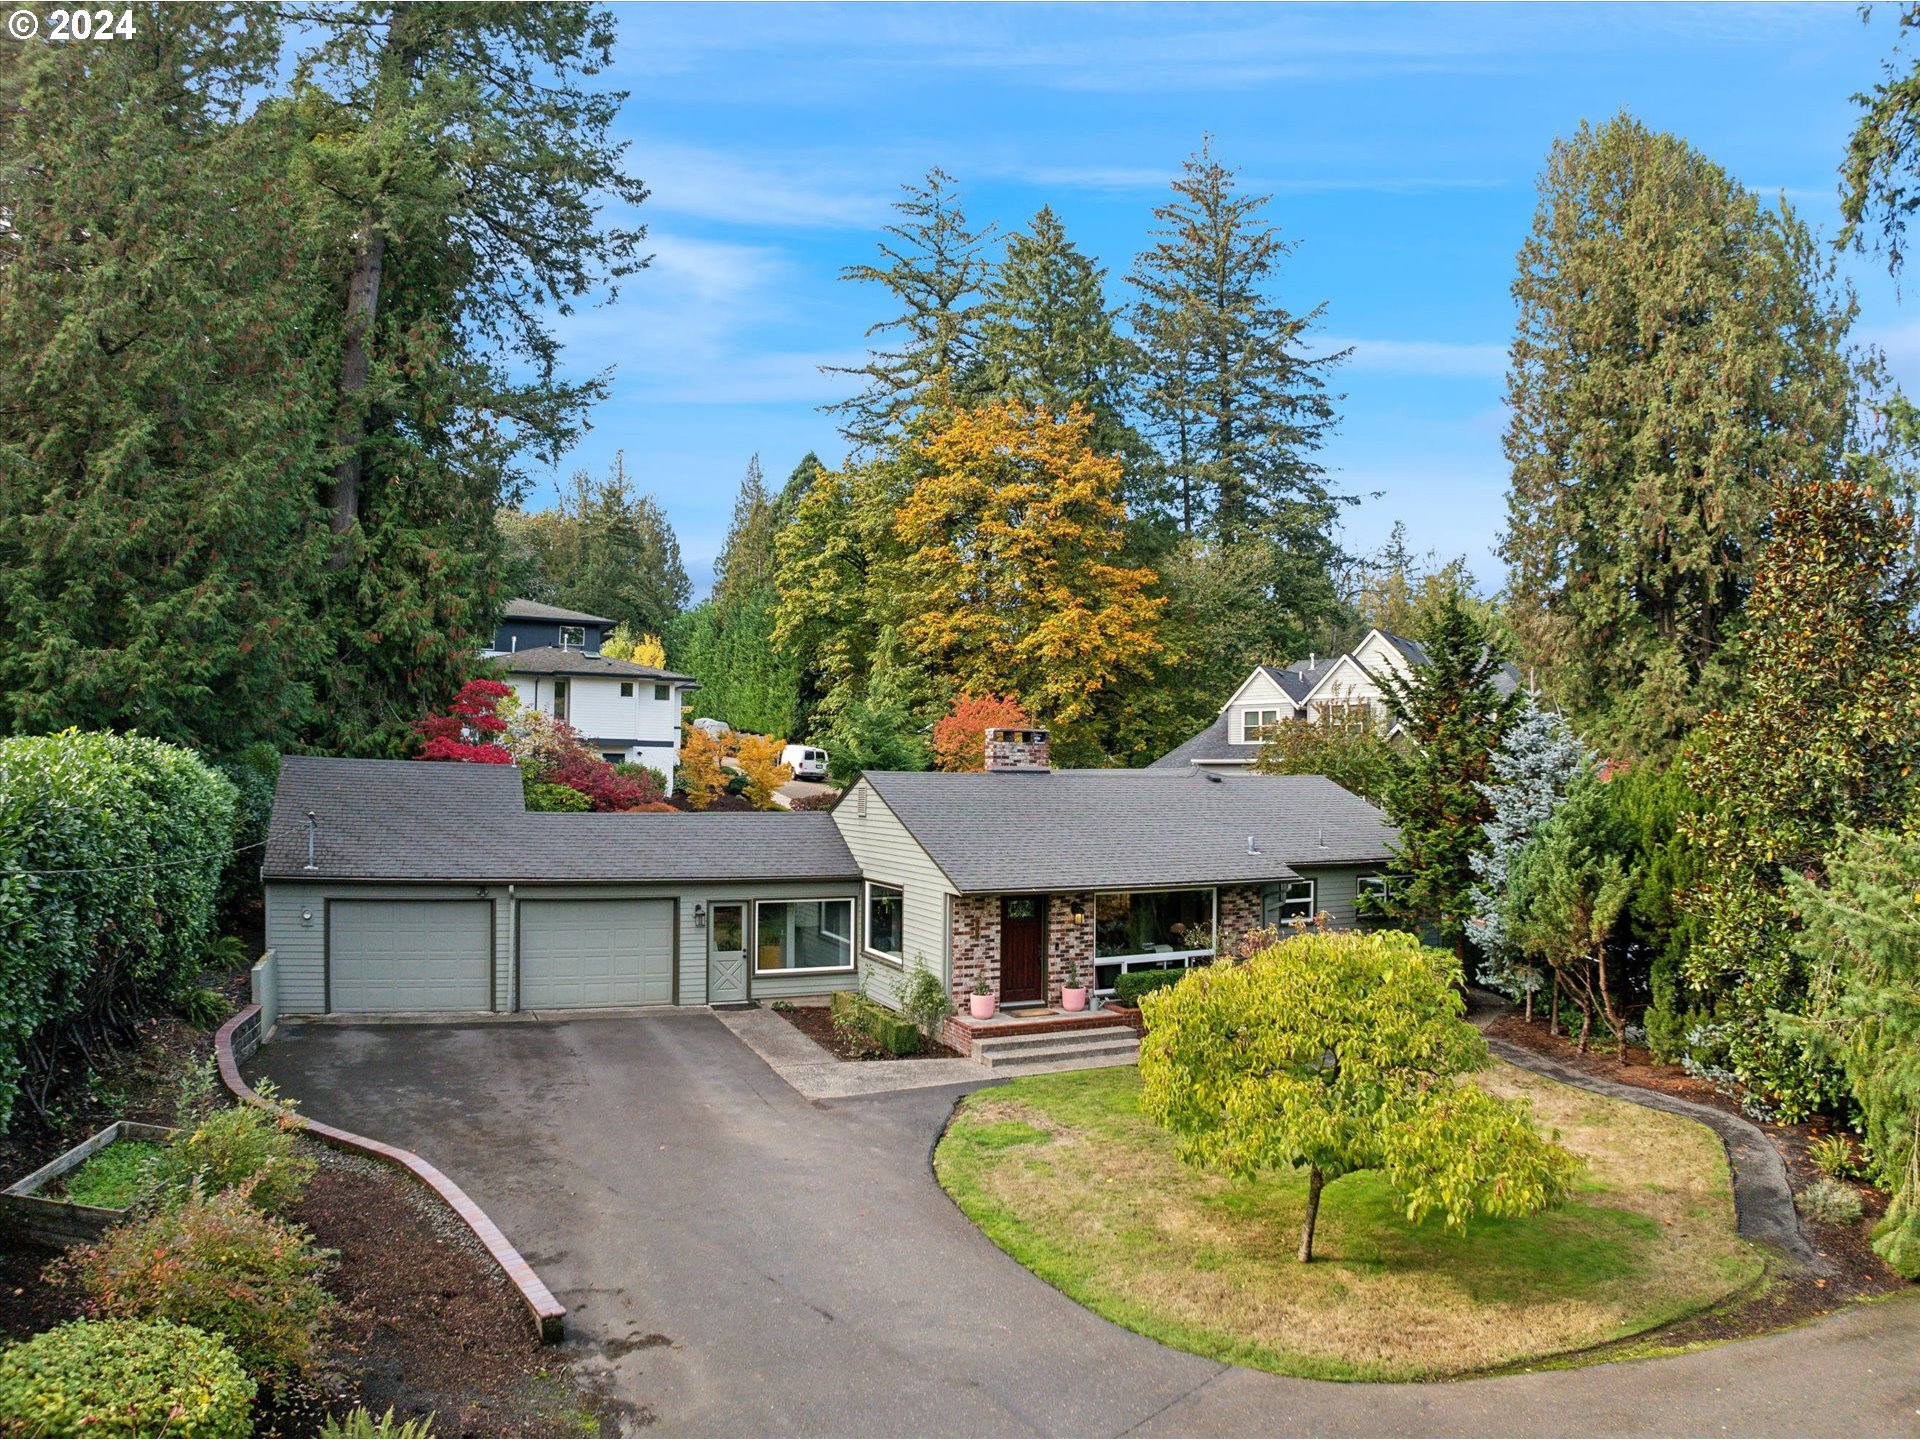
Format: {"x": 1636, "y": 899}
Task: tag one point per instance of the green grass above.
{"x": 1065, "y": 1174}
{"x": 112, "y": 1178}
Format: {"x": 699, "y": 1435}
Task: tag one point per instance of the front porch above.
{"x": 963, "y": 1033}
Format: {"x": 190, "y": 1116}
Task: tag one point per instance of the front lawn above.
{"x": 1065, "y": 1175}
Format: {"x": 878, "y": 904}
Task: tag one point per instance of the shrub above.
{"x": 923, "y": 1000}
{"x": 236, "y": 1147}
{"x": 360, "y": 1425}
{"x": 1133, "y": 984}
{"x": 815, "y": 802}
{"x": 205, "y": 1009}
{"x": 222, "y": 1266}
{"x": 129, "y": 837}
{"x": 123, "y": 1377}
{"x": 556, "y": 799}
{"x": 866, "y": 1024}
{"x": 1831, "y": 1202}
{"x": 1836, "y": 1156}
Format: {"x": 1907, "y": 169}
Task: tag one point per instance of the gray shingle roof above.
{"x": 1115, "y": 829}
{"x": 552, "y": 660}
{"x": 1300, "y": 676}
{"x": 416, "y": 820}
{"x": 1210, "y": 747}
{"x": 540, "y": 610}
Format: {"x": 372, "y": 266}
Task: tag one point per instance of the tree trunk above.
{"x": 1526, "y": 992}
{"x": 356, "y": 363}
{"x": 1553, "y": 1007}
{"x": 1614, "y": 1022}
{"x": 1314, "y": 1181}
{"x": 1586, "y": 1027}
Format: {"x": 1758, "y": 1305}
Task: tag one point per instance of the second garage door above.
{"x": 402, "y": 955}
{"x": 578, "y": 953}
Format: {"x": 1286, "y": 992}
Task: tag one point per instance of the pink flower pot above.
{"x": 1073, "y": 997}
{"x": 982, "y": 1006}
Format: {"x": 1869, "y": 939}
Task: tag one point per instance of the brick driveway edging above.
{"x": 549, "y": 1315}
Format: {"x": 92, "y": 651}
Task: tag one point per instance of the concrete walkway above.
{"x": 797, "y": 1059}
{"x": 740, "y": 1260}
{"x": 1762, "y": 1196}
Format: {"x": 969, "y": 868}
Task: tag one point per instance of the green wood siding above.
{"x": 885, "y": 851}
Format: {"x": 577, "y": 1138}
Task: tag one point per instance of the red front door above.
{"x": 1023, "y": 968}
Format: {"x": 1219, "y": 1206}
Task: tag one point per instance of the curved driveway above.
{"x": 738, "y": 1260}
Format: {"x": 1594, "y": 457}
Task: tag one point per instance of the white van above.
{"x": 717, "y": 729}
{"x": 805, "y": 761}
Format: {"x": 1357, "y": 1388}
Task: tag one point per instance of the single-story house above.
{"x": 551, "y": 656}
{"x": 403, "y": 886}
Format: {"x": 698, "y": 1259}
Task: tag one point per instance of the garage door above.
{"x": 575, "y": 953}
{"x": 388, "y": 955}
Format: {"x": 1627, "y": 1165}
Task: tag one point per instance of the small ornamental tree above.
{"x": 472, "y": 728}
{"x": 1862, "y": 942}
{"x": 627, "y": 643}
{"x": 1455, "y": 718}
{"x": 702, "y": 777}
{"x": 1531, "y": 775}
{"x": 960, "y": 736}
{"x": 759, "y": 757}
{"x": 1336, "y": 1052}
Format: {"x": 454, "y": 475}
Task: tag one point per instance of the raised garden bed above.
{"x": 40, "y": 1208}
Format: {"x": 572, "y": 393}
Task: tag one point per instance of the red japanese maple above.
{"x": 471, "y": 727}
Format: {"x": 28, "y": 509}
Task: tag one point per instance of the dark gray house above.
{"x": 530, "y": 624}
{"x": 401, "y": 886}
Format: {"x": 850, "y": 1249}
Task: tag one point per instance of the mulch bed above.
{"x": 1787, "y": 1298}
{"x": 816, "y": 1023}
{"x": 427, "y": 1323}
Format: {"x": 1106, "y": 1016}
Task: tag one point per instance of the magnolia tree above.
{"x": 1532, "y": 773}
{"x": 1338, "y": 1052}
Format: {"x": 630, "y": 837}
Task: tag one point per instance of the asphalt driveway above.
{"x": 738, "y": 1260}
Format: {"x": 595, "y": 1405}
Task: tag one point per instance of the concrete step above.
{"x": 1065, "y": 1052}
{"x": 1027, "y": 1039}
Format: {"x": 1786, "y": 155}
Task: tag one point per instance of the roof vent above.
{"x": 313, "y": 829}
{"x": 1252, "y": 849}
{"x": 1212, "y": 779}
{"x": 1323, "y": 839}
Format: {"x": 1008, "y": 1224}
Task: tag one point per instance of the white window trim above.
{"x": 1131, "y": 961}
{"x": 566, "y": 630}
{"x": 1247, "y": 721}
{"x": 866, "y": 922}
{"x": 1313, "y": 901}
{"x": 778, "y": 970}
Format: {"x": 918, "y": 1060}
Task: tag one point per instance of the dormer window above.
{"x": 1256, "y": 723}
{"x": 573, "y": 637}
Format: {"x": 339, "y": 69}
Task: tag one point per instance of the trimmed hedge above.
{"x": 112, "y": 849}
{"x": 893, "y": 1033}
{"x": 123, "y": 1377}
{"x": 1132, "y": 984}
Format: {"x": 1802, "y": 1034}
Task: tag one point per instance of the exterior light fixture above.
{"x": 1079, "y": 911}
{"x": 699, "y": 917}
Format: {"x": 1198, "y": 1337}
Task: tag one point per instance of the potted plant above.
{"x": 1073, "y": 995}
{"x": 981, "y": 1004}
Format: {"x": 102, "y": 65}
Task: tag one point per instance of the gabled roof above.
{"x": 397, "y": 820}
{"x": 552, "y": 660}
{"x": 1128, "y": 829}
{"x": 1300, "y": 676}
{"x": 540, "y": 610}
{"x": 1212, "y": 746}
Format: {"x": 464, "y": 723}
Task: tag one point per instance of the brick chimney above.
{"x": 1024, "y": 750}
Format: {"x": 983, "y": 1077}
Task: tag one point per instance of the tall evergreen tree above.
{"x": 1880, "y": 179}
{"x": 746, "y": 562}
{"x": 1826, "y": 735}
{"x": 1455, "y": 719}
{"x": 1049, "y": 340}
{"x": 605, "y": 548}
{"x": 1228, "y": 391}
{"x": 932, "y": 266}
{"x": 161, "y": 439}
{"x": 1680, "y": 351}
{"x": 457, "y": 156}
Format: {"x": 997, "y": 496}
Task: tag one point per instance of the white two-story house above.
{"x": 624, "y": 711}
{"x": 1317, "y": 688}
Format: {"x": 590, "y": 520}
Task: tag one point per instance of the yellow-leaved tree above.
{"x": 1012, "y": 576}
{"x": 702, "y": 777}
{"x": 759, "y": 760}
{"x": 626, "y": 643}
{"x": 1340, "y": 1052}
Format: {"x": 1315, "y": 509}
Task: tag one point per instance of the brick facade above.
{"x": 1239, "y": 913}
{"x": 976, "y": 944}
{"x": 1068, "y": 939}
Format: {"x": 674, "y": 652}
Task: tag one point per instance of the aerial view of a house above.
{"x": 966, "y": 720}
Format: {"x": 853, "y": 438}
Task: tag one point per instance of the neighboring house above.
{"x": 395, "y": 886}
{"x": 625, "y": 711}
{"x": 1313, "y": 689}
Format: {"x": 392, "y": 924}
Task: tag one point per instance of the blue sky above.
{"x": 1400, "y": 144}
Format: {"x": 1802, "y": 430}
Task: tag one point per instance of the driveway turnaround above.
{"x": 737, "y": 1259}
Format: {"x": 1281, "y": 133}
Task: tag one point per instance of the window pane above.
{"x": 660, "y": 692}
{"x": 729, "y": 923}
{"x": 1151, "y": 922}
{"x": 626, "y": 689}
{"x": 884, "y": 904}
{"x": 805, "y": 935}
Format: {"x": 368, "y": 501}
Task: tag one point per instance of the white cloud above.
{"x": 792, "y": 191}
{"x": 1421, "y": 357}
